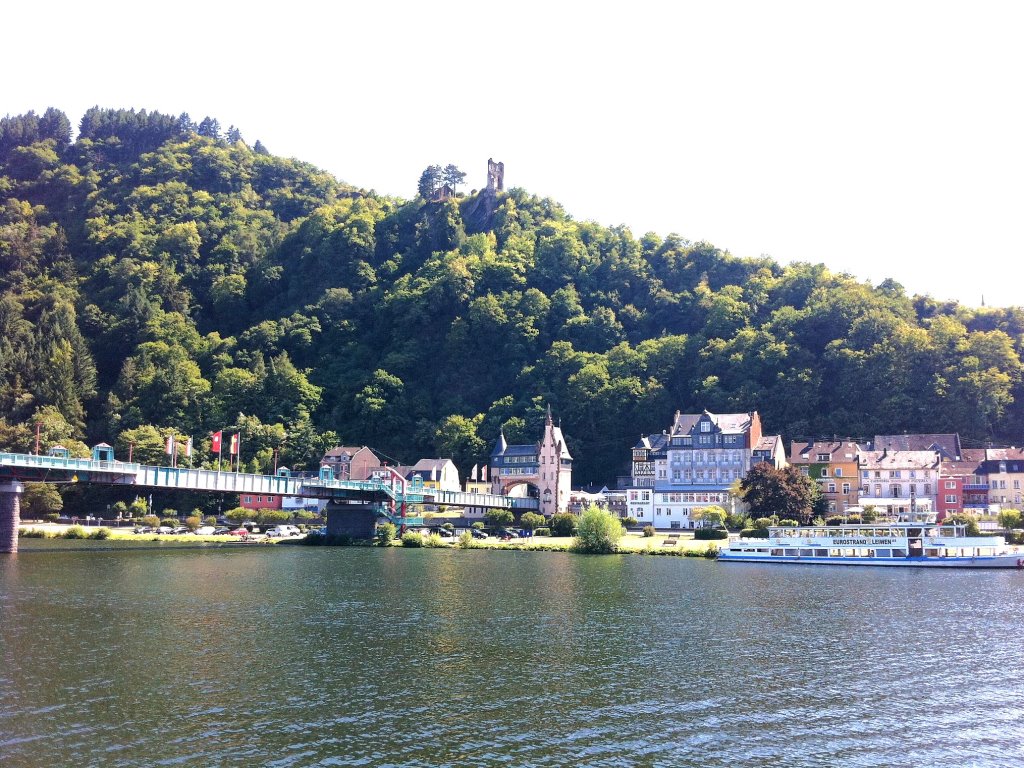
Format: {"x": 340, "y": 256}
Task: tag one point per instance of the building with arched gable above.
{"x": 542, "y": 470}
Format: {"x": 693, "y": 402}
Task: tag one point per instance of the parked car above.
{"x": 143, "y": 529}
{"x": 283, "y": 531}
{"x": 205, "y": 530}
{"x": 239, "y": 532}
{"x": 478, "y": 534}
{"x": 180, "y": 529}
{"x": 444, "y": 533}
{"x": 165, "y": 529}
{"x": 220, "y": 530}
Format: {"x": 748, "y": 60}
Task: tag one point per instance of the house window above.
{"x": 951, "y": 498}
{"x": 846, "y": 487}
{"x": 824, "y": 471}
{"x": 822, "y": 457}
{"x": 927, "y": 489}
{"x": 831, "y": 487}
{"x": 894, "y": 490}
{"x": 951, "y": 484}
{"x": 705, "y": 426}
{"x": 248, "y": 499}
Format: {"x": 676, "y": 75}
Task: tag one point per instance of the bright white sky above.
{"x": 885, "y": 139}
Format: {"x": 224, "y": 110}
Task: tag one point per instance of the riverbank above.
{"x": 630, "y": 543}
{"x": 680, "y": 545}
{"x": 49, "y": 537}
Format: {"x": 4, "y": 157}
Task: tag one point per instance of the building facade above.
{"x": 834, "y": 466}
{"x": 695, "y": 464}
{"x": 899, "y": 484}
{"x": 1003, "y": 472}
{"x": 350, "y": 462}
{"x": 441, "y": 474}
{"x": 962, "y": 488}
{"x": 542, "y": 469}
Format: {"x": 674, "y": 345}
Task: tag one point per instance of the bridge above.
{"x": 353, "y": 505}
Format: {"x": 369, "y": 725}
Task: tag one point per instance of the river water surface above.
{"x": 295, "y": 656}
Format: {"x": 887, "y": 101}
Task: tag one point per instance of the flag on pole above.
{"x": 473, "y": 473}
{"x": 483, "y": 473}
{"x": 234, "y": 444}
{"x": 188, "y": 448}
{"x": 169, "y": 445}
{"x": 215, "y": 439}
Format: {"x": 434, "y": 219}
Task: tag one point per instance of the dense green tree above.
{"x": 39, "y": 500}
{"x": 431, "y": 178}
{"x": 598, "y": 532}
{"x": 785, "y": 493}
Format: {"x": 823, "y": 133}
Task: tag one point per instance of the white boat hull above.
{"x": 998, "y": 561}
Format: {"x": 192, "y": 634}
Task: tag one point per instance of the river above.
{"x": 295, "y": 656}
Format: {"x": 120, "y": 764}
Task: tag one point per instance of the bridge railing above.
{"x": 213, "y": 480}
{"x": 316, "y": 487}
{"x": 464, "y": 499}
{"x": 62, "y": 464}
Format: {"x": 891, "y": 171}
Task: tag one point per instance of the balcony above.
{"x": 975, "y": 486}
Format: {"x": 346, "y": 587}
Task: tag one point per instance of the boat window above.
{"x": 776, "y": 553}
{"x": 883, "y": 552}
{"x": 932, "y": 552}
{"x": 899, "y": 553}
{"x": 792, "y": 552}
{"x": 821, "y": 553}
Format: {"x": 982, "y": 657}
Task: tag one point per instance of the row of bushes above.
{"x": 710, "y": 534}
{"x": 74, "y": 532}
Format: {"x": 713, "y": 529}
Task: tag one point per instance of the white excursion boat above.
{"x": 928, "y": 545}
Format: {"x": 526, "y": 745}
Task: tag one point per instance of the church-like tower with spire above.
{"x": 543, "y": 468}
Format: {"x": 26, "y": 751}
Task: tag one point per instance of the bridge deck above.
{"x": 26, "y": 467}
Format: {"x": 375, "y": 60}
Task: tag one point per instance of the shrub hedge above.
{"x": 705, "y": 534}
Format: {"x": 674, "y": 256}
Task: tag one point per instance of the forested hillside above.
{"x": 160, "y": 276}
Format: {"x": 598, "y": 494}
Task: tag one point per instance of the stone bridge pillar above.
{"x": 356, "y": 520}
{"x": 10, "y": 514}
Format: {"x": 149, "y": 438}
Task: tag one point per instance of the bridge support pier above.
{"x": 10, "y": 515}
{"x": 356, "y": 520}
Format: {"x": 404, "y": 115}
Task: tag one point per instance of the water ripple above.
{"x": 359, "y": 657}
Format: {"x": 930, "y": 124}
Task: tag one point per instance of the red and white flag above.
{"x": 234, "y": 444}
{"x": 169, "y": 445}
{"x": 215, "y": 439}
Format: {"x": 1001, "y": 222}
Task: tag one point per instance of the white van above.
{"x": 283, "y": 531}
